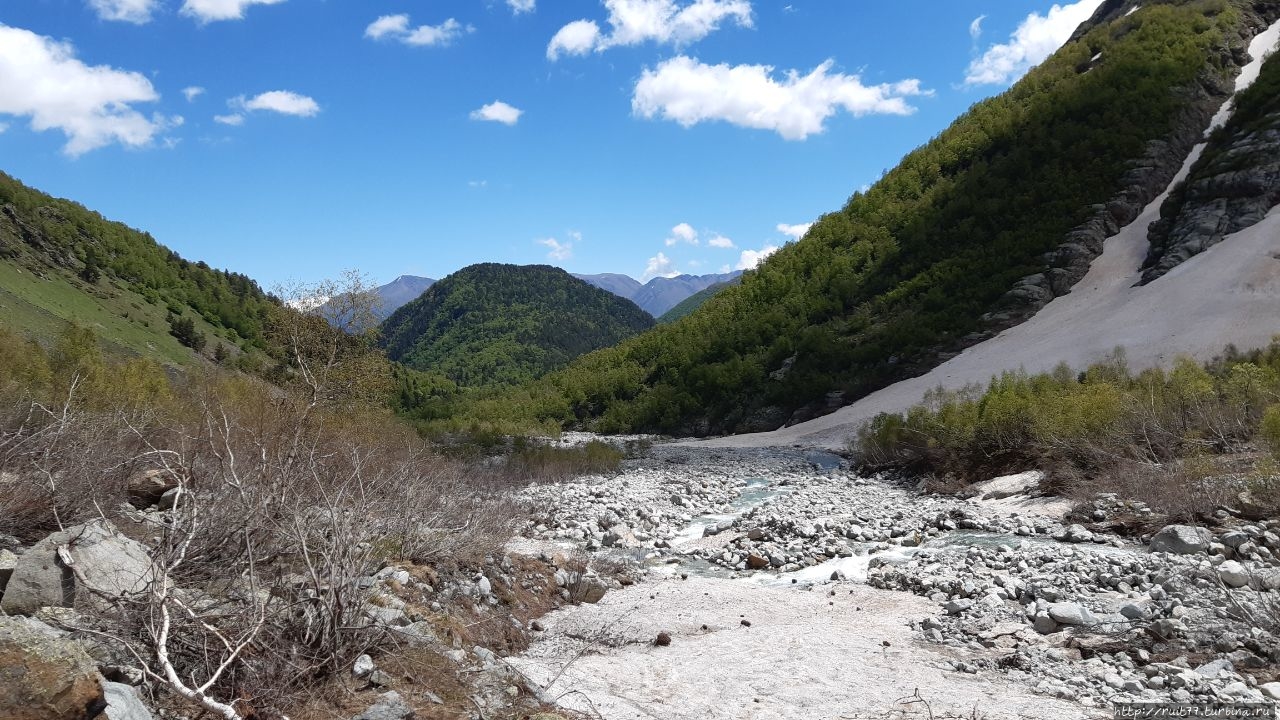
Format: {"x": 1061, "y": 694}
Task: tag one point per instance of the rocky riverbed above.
{"x": 779, "y": 584}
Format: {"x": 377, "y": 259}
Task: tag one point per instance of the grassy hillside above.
{"x": 493, "y": 324}
{"x": 61, "y": 262}
{"x": 905, "y": 272}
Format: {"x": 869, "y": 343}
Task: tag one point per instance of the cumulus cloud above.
{"x": 133, "y": 11}
{"x": 796, "y": 106}
{"x": 284, "y": 102}
{"x": 634, "y": 22}
{"x": 795, "y": 231}
{"x": 720, "y": 241}
{"x": 210, "y": 10}
{"x": 683, "y": 233}
{"x": 397, "y": 27}
{"x": 522, "y": 6}
{"x": 498, "y": 111}
{"x": 234, "y": 119}
{"x": 191, "y": 93}
{"x": 749, "y": 259}
{"x": 41, "y": 79}
{"x": 577, "y": 38}
{"x": 659, "y": 266}
{"x": 1034, "y": 40}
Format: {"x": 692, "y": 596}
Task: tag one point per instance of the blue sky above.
{"x": 294, "y": 139}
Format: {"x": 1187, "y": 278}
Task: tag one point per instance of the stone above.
{"x": 123, "y": 703}
{"x": 1271, "y": 690}
{"x": 386, "y": 617}
{"x": 44, "y": 676}
{"x": 1233, "y": 539}
{"x": 955, "y": 607}
{"x": 1044, "y": 624}
{"x": 756, "y": 561}
{"x": 1076, "y": 534}
{"x": 146, "y": 488}
{"x": 90, "y": 563}
{"x": 168, "y": 499}
{"x": 390, "y": 706}
{"x": 1181, "y": 540}
{"x": 1071, "y": 614}
{"x": 363, "y": 666}
{"x": 484, "y": 586}
{"x": 8, "y": 561}
{"x": 663, "y": 639}
{"x": 1233, "y": 574}
{"x": 1215, "y": 668}
{"x": 378, "y": 678}
{"x": 1134, "y": 612}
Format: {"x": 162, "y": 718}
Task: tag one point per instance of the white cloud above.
{"x": 577, "y": 38}
{"x": 477, "y": 183}
{"x": 41, "y": 79}
{"x": 3, "y": 127}
{"x": 396, "y": 27}
{"x": 193, "y": 92}
{"x": 134, "y": 11}
{"x": 638, "y": 21}
{"x": 659, "y": 266}
{"x": 720, "y": 241}
{"x": 387, "y": 25}
{"x": 557, "y": 250}
{"x": 1034, "y": 40}
{"x": 795, "y": 231}
{"x": 683, "y": 233}
{"x": 211, "y": 10}
{"x": 975, "y": 28}
{"x": 284, "y": 102}
{"x": 749, "y": 259}
{"x": 234, "y": 119}
{"x": 522, "y": 6}
{"x": 498, "y": 111}
{"x": 689, "y": 92}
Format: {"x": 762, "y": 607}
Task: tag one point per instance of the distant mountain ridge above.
{"x": 660, "y": 294}
{"x": 400, "y": 292}
{"x": 498, "y": 324}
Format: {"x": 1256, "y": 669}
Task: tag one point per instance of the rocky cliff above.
{"x": 1233, "y": 186}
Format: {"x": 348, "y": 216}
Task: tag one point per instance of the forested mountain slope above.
{"x": 61, "y": 262}
{"x": 493, "y": 323}
{"x": 695, "y": 301}
{"x": 971, "y": 233}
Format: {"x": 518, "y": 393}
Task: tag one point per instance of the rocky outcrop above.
{"x": 90, "y": 563}
{"x": 1233, "y": 187}
{"x": 44, "y": 676}
{"x": 1226, "y": 198}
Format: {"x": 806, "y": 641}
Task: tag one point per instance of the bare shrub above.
{"x": 288, "y": 498}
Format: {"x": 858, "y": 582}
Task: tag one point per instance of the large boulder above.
{"x": 1181, "y": 540}
{"x": 44, "y": 676}
{"x": 123, "y": 703}
{"x": 90, "y": 563}
{"x": 146, "y": 488}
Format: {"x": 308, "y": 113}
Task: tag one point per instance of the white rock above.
{"x": 1233, "y": 574}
